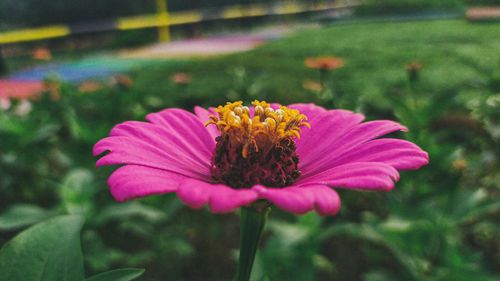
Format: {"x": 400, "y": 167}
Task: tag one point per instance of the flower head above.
{"x": 23, "y": 108}
{"x": 89, "y": 86}
{"x": 324, "y": 63}
{"x": 181, "y": 78}
{"x": 256, "y": 149}
{"x": 122, "y": 81}
{"x": 4, "y": 103}
{"x": 413, "y": 69}
{"x": 234, "y": 155}
{"x": 413, "y": 66}
{"x": 42, "y": 54}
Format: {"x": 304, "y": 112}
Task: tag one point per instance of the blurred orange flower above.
{"x": 89, "y": 86}
{"x": 41, "y": 54}
{"x": 460, "y": 164}
{"x": 413, "y": 66}
{"x": 181, "y": 78}
{"x": 324, "y": 63}
{"x": 123, "y": 81}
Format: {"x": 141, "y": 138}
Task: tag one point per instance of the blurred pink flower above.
{"x": 247, "y": 154}
{"x": 181, "y": 78}
{"x": 4, "y": 103}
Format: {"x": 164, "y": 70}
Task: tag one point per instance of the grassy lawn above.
{"x": 454, "y": 54}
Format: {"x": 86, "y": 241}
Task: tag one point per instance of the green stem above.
{"x": 251, "y": 227}
{"x": 323, "y": 77}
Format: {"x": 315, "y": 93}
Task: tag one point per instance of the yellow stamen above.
{"x": 233, "y": 120}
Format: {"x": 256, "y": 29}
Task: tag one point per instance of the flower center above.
{"x": 256, "y": 148}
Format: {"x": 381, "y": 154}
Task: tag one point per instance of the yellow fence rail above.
{"x": 163, "y": 20}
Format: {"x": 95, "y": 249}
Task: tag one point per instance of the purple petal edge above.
{"x": 219, "y": 197}
{"x": 133, "y": 181}
{"x": 302, "y": 199}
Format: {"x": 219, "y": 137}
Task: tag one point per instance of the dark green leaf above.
{"x": 125, "y": 274}
{"x": 23, "y": 215}
{"x": 48, "y": 251}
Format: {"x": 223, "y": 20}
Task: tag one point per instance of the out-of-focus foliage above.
{"x": 370, "y": 7}
{"x": 405, "y": 6}
{"x": 440, "y": 222}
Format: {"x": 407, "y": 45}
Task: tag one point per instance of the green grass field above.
{"x": 453, "y": 54}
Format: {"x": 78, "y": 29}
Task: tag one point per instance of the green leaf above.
{"x": 129, "y": 210}
{"x": 22, "y": 215}
{"x": 125, "y": 274}
{"x": 48, "y": 251}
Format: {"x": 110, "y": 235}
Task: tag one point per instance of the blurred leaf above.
{"x": 258, "y": 269}
{"x": 291, "y": 251}
{"x": 125, "y": 274}
{"x": 322, "y": 263}
{"x": 378, "y": 276}
{"x": 45, "y": 132}
{"x": 289, "y": 233}
{"x": 48, "y": 251}
{"x": 77, "y": 191}
{"x": 22, "y": 215}
{"x": 370, "y": 233}
{"x": 98, "y": 256}
{"x": 470, "y": 205}
{"x": 130, "y": 209}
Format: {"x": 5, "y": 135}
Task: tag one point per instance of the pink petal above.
{"x": 330, "y": 145}
{"x": 186, "y": 124}
{"x": 272, "y": 105}
{"x": 310, "y": 110}
{"x": 302, "y": 199}
{"x": 126, "y": 150}
{"x": 176, "y": 142}
{"x": 220, "y": 198}
{"x": 203, "y": 115}
{"x": 171, "y": 141}
{"x": 358, "y": 175}
{"x": 326, "y": 127}
{"x": 400, "y": 154}
{"x": 132, "y": 181}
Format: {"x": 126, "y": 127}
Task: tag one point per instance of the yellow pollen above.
{"x": 264, "y": 130}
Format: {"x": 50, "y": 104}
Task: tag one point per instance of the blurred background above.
{"x": 71, "y": 70}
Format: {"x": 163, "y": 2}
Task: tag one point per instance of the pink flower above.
{"x": 4, "y": 103}
{"x": 181, "y": 78}
{"x": 256, "y": 157}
